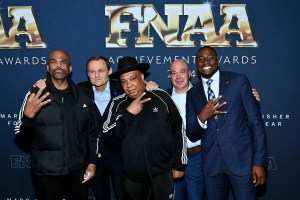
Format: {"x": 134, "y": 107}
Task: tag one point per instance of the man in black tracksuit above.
{"x": 149, "y": 128}
{"x": 61, "y": 121}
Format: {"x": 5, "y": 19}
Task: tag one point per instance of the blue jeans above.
{"x": 191, "y": 187}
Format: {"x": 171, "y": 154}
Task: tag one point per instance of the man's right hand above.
{"x": 35, "y": 102}
{"x": 137, "y": 105}
{"x": 211, "y": 109}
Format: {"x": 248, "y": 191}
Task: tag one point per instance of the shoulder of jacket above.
{"x": 84, "y": 93}
{"x": 159, "y": 91}
{"x": 169, "y": 90}
{"x": 85, "y": 84}
{"x": 195, "y": 86}
{"x": 232, "y": 74}
{"x": 161, "y": 94}
{"x": 120, "y": 97}
{"x": 115, "y": 88}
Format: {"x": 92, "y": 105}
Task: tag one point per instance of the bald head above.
{"x": 180, "y": 75}
{"x": 59, "y": 65}
{"x": 59, "y": 53}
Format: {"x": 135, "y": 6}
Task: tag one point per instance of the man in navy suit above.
{"x": 231, "y": 129}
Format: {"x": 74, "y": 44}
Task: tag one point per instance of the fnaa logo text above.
{"x": 19, "y": 161}
{"x": 235, "y": 18}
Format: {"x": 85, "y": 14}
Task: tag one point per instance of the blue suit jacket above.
{"x": 239, "y": 134}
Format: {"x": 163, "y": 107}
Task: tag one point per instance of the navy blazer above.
{"x": 239, "y": 134}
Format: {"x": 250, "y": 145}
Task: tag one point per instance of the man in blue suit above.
{"x": 222, "y": 111}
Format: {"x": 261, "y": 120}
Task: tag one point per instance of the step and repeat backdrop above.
{"x": 257, "y": 38}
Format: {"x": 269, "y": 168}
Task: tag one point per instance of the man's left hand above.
{"x": 259, "y": 175}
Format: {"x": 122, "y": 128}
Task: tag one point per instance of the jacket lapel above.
{"x": 223, "y": 87}
{"x": 200, "y": 94}
{"x": 115, "y": 90}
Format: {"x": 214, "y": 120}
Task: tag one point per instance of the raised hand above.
{"x": 211, "y": 109}
{"x": 35, "y": 102}
{"x": 137, "y": 105}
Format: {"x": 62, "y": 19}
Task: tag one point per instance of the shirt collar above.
{"x": 107, "y": 88}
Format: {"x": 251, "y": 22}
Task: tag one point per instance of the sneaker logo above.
{"x": 84, "y": 106}
{"x": 155, "y": 109}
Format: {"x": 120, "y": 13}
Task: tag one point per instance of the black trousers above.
{"x": 109, "y": 173}
{"x": 59, "y": 187}
{"x": 160, "y": 187}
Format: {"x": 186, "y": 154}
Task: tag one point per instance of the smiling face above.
{"x": 59, "y": 65}
{"x": 133, "y": 83}
{"x": 207, "y": 62}
{"x": 98, "y": 72}
{"x": 180, "y": 76}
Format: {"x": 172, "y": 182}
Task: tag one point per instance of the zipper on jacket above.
{"x": 63, "y": 129}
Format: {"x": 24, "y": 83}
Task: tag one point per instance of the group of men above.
{"x": 131, "y": 135}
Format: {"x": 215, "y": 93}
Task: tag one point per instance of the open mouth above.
{"x": 206, "y": 68}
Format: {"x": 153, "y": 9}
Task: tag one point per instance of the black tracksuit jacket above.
{"x": 153, "y": 141}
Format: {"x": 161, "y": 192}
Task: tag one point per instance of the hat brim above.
{"x": 143, "y": 67}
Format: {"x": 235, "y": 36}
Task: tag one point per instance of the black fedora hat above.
{"x": 128, "y": 64}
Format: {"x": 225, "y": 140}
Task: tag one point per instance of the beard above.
{"x": 59, "y": 74}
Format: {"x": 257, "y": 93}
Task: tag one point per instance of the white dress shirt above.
{"x": 215, "y": 88}
{"x": 214, "y": 85}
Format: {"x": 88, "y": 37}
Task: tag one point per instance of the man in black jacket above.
{"x": 149, "y": 128}
{"x": 61, "y": 121}
{"x": 109, "y": 165}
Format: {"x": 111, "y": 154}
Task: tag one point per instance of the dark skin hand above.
{"x": 137, "y": 105}
{"x": 211, "y": 109}
{"x": 35, "y": 102}
{"x": 259, "y": 175}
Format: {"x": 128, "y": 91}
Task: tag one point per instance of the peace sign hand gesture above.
{"x": 137, "y": 105}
